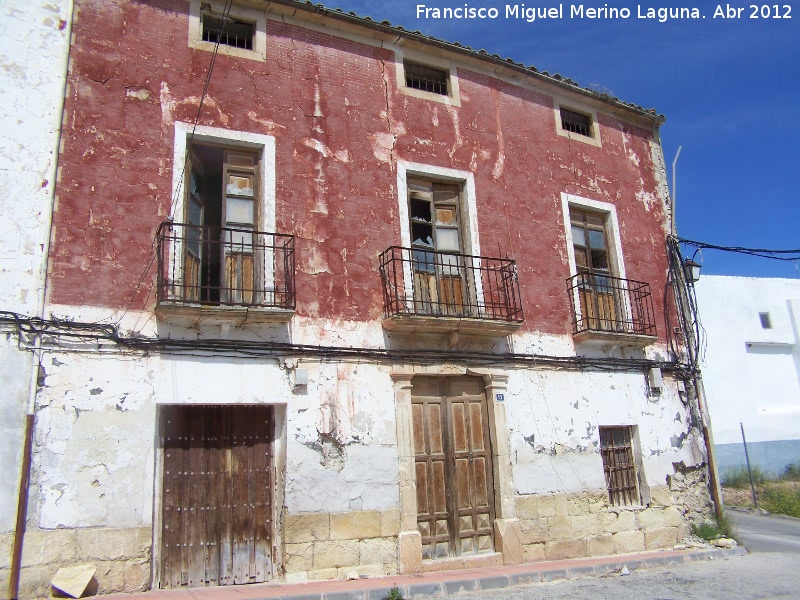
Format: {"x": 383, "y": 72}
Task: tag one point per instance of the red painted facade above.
{"x": 133, "y": 75}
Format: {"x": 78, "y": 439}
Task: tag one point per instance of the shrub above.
{"x": 781, "y": 500}
{"x": 792, "y": 472}
{"x": 738, "y": 477}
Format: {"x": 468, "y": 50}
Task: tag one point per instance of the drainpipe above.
{"x": 36, "y": 357}
{"x": 674, "y": 193}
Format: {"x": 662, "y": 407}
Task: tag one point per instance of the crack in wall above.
{"x": 392, "y": 158}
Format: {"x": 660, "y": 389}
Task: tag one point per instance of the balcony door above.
{"x": 220, "y": 264}
{"x": 600, "y": 300}
{"x": 439, "y": 277}
{"x": 239, "y": 223}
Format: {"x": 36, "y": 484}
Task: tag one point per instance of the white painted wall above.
{"x": 33, "y": 59}
{"x": 32, "y": 73}
{"x": 751, "y": 374}
{"x": 97, "y": 447}
{"x": 554, "y": 416}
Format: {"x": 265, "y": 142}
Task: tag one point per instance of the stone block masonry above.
{"x": 122, "y": 557}
{"x": 558, "y": 526}
{"x": 338, "y": 545}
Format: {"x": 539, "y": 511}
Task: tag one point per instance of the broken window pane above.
{"x": 240, "y": 185}
{"x": 421, "y": 210}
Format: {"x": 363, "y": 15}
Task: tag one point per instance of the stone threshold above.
{"x": 442, "y": 582}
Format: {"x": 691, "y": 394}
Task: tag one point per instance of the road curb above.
{"x": 531, "y": 575}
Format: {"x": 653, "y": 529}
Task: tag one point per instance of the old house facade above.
{"x": 326, "y": 296}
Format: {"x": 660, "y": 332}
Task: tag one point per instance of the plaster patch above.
{"x": 383, "y": 146}
{"x": 269, "y": 126}
{"x": 139, "y": 94}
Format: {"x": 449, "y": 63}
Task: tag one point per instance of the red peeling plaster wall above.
{"x": 340, "y": 125}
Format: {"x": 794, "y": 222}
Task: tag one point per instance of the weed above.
{"x": 394, "y": 594}
{"x": 781, "y": 500}
{"x": 720, "y": 527}
{"x": 738, "y": 477}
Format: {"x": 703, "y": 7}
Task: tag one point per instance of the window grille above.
{"x": 227, "y": 31}
{"x": 576, "y": 122}
{"x": 425, "y": 78}
{"x": 616, "y": 449}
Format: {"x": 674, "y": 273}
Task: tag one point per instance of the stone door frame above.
{"x": 506, "y": 525}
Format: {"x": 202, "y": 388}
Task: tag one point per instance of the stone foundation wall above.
{"x": 122, "y": 558}
{"x": 334, "y": 546}
{"x": 562, "y": 526}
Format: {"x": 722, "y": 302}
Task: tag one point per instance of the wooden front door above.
{"x": 217, "y": 523}
{"x": 453, "y": 460}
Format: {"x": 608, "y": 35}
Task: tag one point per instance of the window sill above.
{"x": 600, "y": 337}
{"x": 631, "y": 508}
{"x": 436, "y": 324}
{"x": 223, "y": 314}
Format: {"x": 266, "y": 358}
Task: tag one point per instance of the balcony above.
{"x": 609, "y": 309}
{"x": 225, "y": 273}
{"x": 440, "y": 292}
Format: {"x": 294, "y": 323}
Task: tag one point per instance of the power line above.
{"x": 73, "y": 336}
{"x": 787, "y": 255}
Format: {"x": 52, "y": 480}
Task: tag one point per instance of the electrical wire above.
{"x": 787, "y": 255}
{"x": 178, "y": 190}
{"x": 59, "y": 333}
{"x": 153, "y": 253}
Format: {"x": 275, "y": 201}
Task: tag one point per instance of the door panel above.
{"x": 217, "y": 498}
{"x": 455, "y": 499}
{"x": 195, "y": 218}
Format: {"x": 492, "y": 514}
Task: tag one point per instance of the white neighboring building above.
{"x": 751, "y": 369}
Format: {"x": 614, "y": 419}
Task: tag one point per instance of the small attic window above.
{"x": 576, "y": 122}
{"x": 427, "y": 79}
{"x": 227, "y": 31}
{"x": 766, "y": 322}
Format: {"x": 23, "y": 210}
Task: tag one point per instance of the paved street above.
{"x": 757, "y": 575}
{"x": 767, "y": 533}
{"x": 770, "y": 571}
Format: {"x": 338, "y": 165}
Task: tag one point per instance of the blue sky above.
{"x": 730, "y": 89}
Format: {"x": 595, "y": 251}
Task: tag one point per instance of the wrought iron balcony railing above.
{"x": 225, "y": 266}
{"x": 442, "y": 284}
{"x": 601, "y": 303}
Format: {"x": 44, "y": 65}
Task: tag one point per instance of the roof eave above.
{"x": 564, "y": 83}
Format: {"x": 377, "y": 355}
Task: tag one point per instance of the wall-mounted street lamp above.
{"x": 692, "y": 270}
